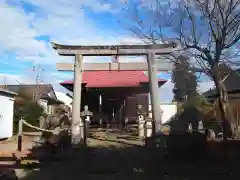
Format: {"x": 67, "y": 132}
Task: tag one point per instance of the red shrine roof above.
{"x": 94, "y": 79}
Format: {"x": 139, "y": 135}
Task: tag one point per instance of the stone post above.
{"x": 190, "y": 127}
{"x": 148, "y": 128}
{"x": 141, "y": 122}
{"x": 201, "y": 127}
{"x": 100, "y": 111}
{"x": 85, "y": 116}
{"x": 20, "y": 134}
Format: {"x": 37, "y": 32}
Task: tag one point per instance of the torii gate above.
{"x": 152, "y": 66}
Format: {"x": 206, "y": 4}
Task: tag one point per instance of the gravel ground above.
{"x": 10, "y": 145}
{"x": 110, "y": 159}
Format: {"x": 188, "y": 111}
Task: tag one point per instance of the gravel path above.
{"x": 104, "y": 159}
{"x": 111, "y": 160}
{"x": 11, "y": 144}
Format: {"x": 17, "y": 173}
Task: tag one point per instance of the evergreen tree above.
{"x": 185, "y": 82}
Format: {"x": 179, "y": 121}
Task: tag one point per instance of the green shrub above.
{"x": 30, "y": 111}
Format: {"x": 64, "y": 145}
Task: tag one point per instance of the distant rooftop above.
{"x": 232, "y": 82}
{"x": 5, "y": 91}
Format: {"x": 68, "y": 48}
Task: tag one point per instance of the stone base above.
{"x": 78, "y": 134}
{"x": 78, "y": 141}
{"x": 77, "y": 148}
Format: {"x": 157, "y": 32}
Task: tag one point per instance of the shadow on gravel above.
{"x": 186, "y": 157}
{"x": 127, "y": 162}
{"x": 103, "y": 162}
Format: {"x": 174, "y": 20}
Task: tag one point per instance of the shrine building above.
{"x": 114, "y": 95}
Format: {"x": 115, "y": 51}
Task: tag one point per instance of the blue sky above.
{"x": 28, "y": 26}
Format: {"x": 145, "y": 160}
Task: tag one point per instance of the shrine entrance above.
{"x": 152, "y": 66}
{"x": 113, "y": 101}
{"x": 104, "y": 102}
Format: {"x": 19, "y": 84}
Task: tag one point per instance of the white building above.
{"x": 6, "y": 113}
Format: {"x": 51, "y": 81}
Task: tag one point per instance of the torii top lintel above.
{"x": 110, "y": 50}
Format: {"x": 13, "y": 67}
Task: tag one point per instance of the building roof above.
{"x": 28, "y": 90}
{"x": 231, "y": 82}
{"x": 5, "y": 91}
{"x": 98, "y": 79}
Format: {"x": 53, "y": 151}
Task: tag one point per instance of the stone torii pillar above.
{"x": 154, "y": 91}
{"x": 77, "y": 122}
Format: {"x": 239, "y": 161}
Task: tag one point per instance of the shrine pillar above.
{"x": 77, "y": 123}
{"x": 154, "y": 91}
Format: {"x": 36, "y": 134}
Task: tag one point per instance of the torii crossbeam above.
{"x": 123, "y": 50}
{"x": 122, "y": 66}
{"x": 116, "y": 50}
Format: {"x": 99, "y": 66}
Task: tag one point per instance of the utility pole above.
{"x": 37, "y": 70}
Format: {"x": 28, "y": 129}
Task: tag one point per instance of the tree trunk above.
{"x": 223, "y": 106}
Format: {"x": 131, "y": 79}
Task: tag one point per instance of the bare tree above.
{"x": 209, "y": 30}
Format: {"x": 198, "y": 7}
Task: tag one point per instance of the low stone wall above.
{"x": 194, "y": 146}
{"x": 186, "y": 146}
{"x": 227, "y": 151}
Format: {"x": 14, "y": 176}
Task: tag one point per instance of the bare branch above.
{"x": 208, "y": 30}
